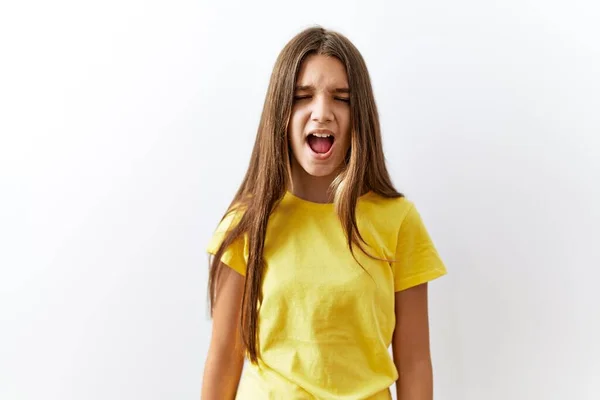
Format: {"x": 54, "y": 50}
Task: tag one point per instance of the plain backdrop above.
{"x": 126, "y": 127}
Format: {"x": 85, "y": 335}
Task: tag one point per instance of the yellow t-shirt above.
{"x": 325, "y": 325}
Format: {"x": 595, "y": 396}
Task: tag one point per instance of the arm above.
{"x": 410, "y": 345}
{"x": 225, "y": 358}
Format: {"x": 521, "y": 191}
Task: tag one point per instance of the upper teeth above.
{"x": 324, "y": 135}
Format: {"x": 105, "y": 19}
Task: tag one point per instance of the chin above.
{"x": 318, "y": 174}
{"x": 320, "y": 171}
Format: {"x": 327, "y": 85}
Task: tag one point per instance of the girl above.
{"x": 319, "y": 264}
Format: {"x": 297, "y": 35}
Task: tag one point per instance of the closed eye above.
{"x": 301, "y": 97}
{"x": 345, "y": 100}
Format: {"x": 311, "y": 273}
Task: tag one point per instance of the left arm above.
{"x": 410, "y": 345}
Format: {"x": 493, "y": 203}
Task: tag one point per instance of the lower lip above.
{"x": 321, "y": 156}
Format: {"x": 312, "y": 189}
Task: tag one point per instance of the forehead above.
{"x": 322, "y": 72}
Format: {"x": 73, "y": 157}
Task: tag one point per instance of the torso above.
{"x": 325, "y": 323}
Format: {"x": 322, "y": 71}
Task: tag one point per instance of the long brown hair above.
{"x": 268, "y": 174}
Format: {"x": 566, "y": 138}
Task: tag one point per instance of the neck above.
{"x": 308, "y": 187}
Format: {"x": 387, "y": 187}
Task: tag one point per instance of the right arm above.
{"x": 225, "y": 359}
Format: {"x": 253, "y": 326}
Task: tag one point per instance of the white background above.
{"x": 126, "y": 127}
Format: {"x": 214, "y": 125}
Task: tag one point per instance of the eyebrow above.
{"x": 311, "y": 87}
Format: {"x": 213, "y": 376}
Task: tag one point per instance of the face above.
{"x": 319, "y": 128}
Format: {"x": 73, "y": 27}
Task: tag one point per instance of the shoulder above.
{"x": 387, "y": 210}
{"x": 381, "y": 219}
{"x": 231, "y": 218}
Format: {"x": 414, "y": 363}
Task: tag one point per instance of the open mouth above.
{"x": 320, "y": 143}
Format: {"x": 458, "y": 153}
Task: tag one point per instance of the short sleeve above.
{"x": 236, "y": 255}
{"x": 417, "y": 260}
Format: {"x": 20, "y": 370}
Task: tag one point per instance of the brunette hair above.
{"x": 268, "y": 174}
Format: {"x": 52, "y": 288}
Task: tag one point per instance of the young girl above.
{"x": 319, "y": 264}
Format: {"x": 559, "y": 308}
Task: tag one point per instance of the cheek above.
{"x": 347, "y": 138}
{"x": 346, "y": 147}
{"x": 346, "y": 126}
{"x": 296, "y": 130}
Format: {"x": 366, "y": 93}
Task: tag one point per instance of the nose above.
{"x": 322, "y": 110}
